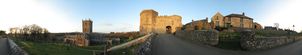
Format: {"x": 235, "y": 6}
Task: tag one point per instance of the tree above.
{"x": 30, "y": 32}
{"x": 46, "y": 34}
{"x": 2, "y": 32}
{"x": 35, "y": 32}
{"x": 276, "y": 25}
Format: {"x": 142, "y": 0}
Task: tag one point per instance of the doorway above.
{"x": 168, "y": 29}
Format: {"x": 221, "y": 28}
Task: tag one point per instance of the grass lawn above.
{"x": 37, "y": 48}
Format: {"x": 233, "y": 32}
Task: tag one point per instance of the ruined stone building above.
{"x": 77, "y": 39}
{"x": 87, "y": 26}
{"x": 150, "y": 21}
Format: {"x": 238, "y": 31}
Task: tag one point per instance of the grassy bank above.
{"x": 38, "y": 48}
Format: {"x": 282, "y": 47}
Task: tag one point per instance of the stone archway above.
{"x": 168, "y": 29}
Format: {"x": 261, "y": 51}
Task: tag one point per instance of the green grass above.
{"x": 229, "y": 40}
{"x": 37, "y": 48}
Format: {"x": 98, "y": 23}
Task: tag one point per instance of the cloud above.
{"x": 287, "y": 13}
{"x": 107, "y": 24}
{"x": 16, "y": 13}
{"x": 117, "y": 27}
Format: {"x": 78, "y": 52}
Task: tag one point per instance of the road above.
{"x": 169, "y": 45}
{"x": 3, "y": 46}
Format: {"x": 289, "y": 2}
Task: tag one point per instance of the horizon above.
{"x": 60, "y": 16}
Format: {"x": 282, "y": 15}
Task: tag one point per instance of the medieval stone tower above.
{"x": 87, "y": 26}
{"x": 151, "y": 22}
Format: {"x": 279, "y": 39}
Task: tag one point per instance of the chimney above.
{"x": 243, "y": 14}
{"x": 206, "y": 18}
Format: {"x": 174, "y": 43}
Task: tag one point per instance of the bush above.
{"x": 229, "y": 35}
{"x": 273, "y": 33}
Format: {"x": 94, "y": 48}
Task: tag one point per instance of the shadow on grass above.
{"x": 40, "y": 48}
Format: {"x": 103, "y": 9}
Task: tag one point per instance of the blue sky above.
{"x": 123, "y": 15}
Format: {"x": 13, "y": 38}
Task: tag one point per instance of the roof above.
{"x": 149, "y": 10}
{"x": 238, "y": 15}
{"x": 218, "y": 14}
{"x": 195, "y": 22}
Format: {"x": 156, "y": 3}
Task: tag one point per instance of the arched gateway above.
{"x": 151, "y": 22}
{"x": 168, "y": 29}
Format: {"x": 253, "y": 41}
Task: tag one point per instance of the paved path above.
{"x": 170, "y": 45}
{"x": 3, "y": 46}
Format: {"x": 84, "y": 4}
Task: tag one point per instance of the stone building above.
{"x": 219, "y": 22}
{"x": 238, "y": 21}
{"x": 87, "y": 26}
{"x": 257, "y": 26}
{"x": 77, "y": 39}
{"x": 270, "y": 28}
{"x": 198, "y": 25}
{"x": 151, "y": 22}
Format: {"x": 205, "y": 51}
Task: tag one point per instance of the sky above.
{"x": 123, "y": 15}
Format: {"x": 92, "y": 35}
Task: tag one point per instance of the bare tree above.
{"x": 13, "y": 31}
{"x": 276, "y": 25}
{"x": 2, "y": 32}
{"x": 31, "y": 32}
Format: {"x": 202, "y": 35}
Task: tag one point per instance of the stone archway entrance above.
{"x": 168, "y": 29}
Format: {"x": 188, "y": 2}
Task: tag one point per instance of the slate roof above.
{"x": 238, "y": 15}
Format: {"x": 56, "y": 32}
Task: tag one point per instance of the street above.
{"x": 169, "y": 45}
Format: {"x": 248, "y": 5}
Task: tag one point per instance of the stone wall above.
{"x": 247, "y": 23}
{"x": 77, "y": 39}
{"x": 146, "y": 21}
{"x": 251, "y": 42}
{"x": 162, "y": 22}
{"x": 15, "y": 49}
{"x": 199, "y": 36}
{"x": 145, "y": 48}
{"x": 235, "y": 21}
{"x": 131, "y": 43}
{"x": 151, "y": 22}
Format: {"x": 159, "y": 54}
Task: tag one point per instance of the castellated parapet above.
{"x": 151, "y": 22}
{"x": 87, "y": 26}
